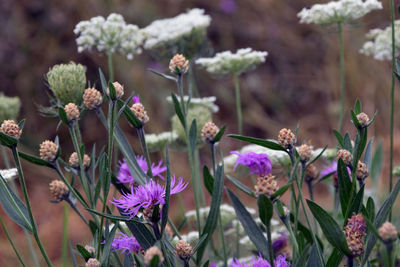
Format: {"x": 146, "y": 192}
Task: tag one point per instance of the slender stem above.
{"x": 142, "y": 139}
{"x": 349, "y": 261}
{"x": 270, "y": 249}
{"x": 336, "y": 203}
{"x": 392, "y": 17}
{"x": 64, "y": 251}
{"x": 292, "y": 237}
{"x": 238, "y": 104}
{"x": 3, "y": 225}
{"x": 110, "y": 67}
{"x": 311, "y": 192}
{"x": 73, "y": 206}
{"x": 342, "y": 76}
{"x": 28, "y": 205}
{"x": 389, "y": 250}
{"x": 192, "y": 81}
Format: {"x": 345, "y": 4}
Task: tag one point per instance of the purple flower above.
{"x": 125, "y": 176}
{"x": 280, "y": 261}
{"x": 280, "y": 243}
{"x": 258, "y": 163}
{"x": 136, "y": 99}
{"x": 125, "y": 243}
{"x": 227, "y": 6}
{"x": 332, "y": 169}
{"x": 145, "y": 196}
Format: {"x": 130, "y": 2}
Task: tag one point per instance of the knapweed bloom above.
{"x": 125, "y": 243}
{"x": 258, "y": 163}
{"x": 282, "y": 246}
{"x": 125, "y": 176}
{"x": 338, "y": 11}
{"x": 226, "y": 62}
{"x": 109, "y": 35}
{"x": 146, "y": 196}
{"x": 259, "y": 261}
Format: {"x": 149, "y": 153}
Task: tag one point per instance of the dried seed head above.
{"x": 388, "y": 232}
{"x": 209, "y": 131}
{"x": 266, "y": 185}
{"x": 58, "y": 190}
{"x": 11, "y": 128}
{"x": 74, "y": 160}
{"x": 90, "y": 249}
{"x": 119, "y": 89}
{"x": 354, "y": 232}
{"x": 345, "y": 155}
{"x": 92, "y": 98}
{"x": 355, "y": 244}
{"x": 72, "y": 111}
{"x": 48, "y": 150}
{"x": 92, "y": 262}
{"x": 184, "y": 250}
{"x": 286, "y": 138}
{"x": 150, "y": 253}
{"x": 362, "y": 170}
{"x": 178, "y": 64}
{"x": 311, "y": 173}
{"x": 363, "y": 119}
{"x": 140, "y": 112}
{"x": 304, "y": 152}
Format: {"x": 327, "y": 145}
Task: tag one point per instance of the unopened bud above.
{"x": 304, "y": 152}
{"x": 345, "y": 155}
{"x": 362, "y": 170}
{"x": 150, "y": 253}
{"x": 266, "y": 185}
{"x": 140, "y": 112}
{"x": 387, "y": 232}
{"x": 184, "y": 250}
{"x": 208, "y": 132}
{"x": 74, "y": 160}
{"x": 311, "y": 173}
{"x": 92, "y": 262}
{"x": 92, "y": 98}
{"x": 178, "y": 64}
{"x": 363, "y": 119}
{"x": 286, "y": 138}
{"x": 58, "y": 190}
{"x": 48, "y": 150}
{"x": 90, "y": 249}
{"x": 72, "y": 111}
{"x": 119, "y": 89}
{"x": 11, "y": 128}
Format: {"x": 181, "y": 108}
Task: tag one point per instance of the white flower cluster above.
{"x": 111, "y": 35}
{"x": 9, "y": 174}
{"x": 157, "y": 142}
{"x": 207, "y": 102}
{"x": 226, "y": 62}
{"x": 338, "y": 11}
{"x": 171, "y": 30}
{"x": 380, "y": 45}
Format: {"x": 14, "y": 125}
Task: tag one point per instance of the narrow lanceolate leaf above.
{"x": 357, "y": 106}
{"x": 35, "y": 160}
{"x": 84, "y": 253}
{"x": 129, "y": 115}
{"x": 258, "y": 141}
{"x": 265, "y": 209}
{"x": 333, "y": 233}
{"x": 335, "y": 258}
{"x": 219, "y": 135}
{"x": 377, "y": 162}
{"x": 281, "y": 191}
{"x": 178, "y": 110}
{"x": 112, "y": 92}
{"x": 193, "y": 135}
{"x": 103, "y": 82}
{"x": 63, "y": 115}
{"x": 313, "y": 260}
{"x": 163, "y": 75}
{"x": 339, "y": 138}
{"x": 13, "y": 206}
{"x": 241, "y": 186}
{"x": 208, "y": 179}
{"x": 250, "y": 226}
{"x": 142, "y": 234}
{"x": 345, "y": 186}
{"x": 371, "y": 209}
{"x": 356, "y": 204}
{"x": 368, "y": 154}
{"x": 7, "y": 140}
{"x": 107, "y": 247}
{"x": 347, "y": 142}
{"x": 355, "y": 120}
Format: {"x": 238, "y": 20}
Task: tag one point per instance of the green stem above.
{"x": 342, "y": 76}
{"x": 28, "y": 205}
{"x": 311, "y": 192}
{"x": 238, "y": 104}
{"x": 392, "y": 17}
{"x": 3, "y": 225}
{"x": 64, "y": 251}
{"x": 270, "y": 249}
{"x": 110, "y": 67}
{"x": 142, "y": 139}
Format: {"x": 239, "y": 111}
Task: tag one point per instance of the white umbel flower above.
{"x": 168, "y": 31}
{"x": 207, "y": 102}
{"x": 338, "y": 11}
{"x": 380, "y": 44}
{"x": 157, "y": 142}
{"x": 226, "y": 62}
{"x": 9, "y": 174}
{"x": 110, "y": 35}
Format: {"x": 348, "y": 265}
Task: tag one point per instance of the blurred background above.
{"x": 297, "y": 85}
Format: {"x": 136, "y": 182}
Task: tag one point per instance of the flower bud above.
{"x": 208, "y": 132}
{"x": 119, "y": 89}
{"x": 58, "y": 190}
{"x": 74, "y": 160}
{"x": 72, "y": 111}
{"x": 92, "y": 262}
{"x": 150, "y": 253}
{"x": 345, "y": 155}
{"x": 48, "y": 150}
{"x": 311, "y": 173}
{"x": 11, "y": 128}
{"x": 92, "y": 98}
{"x": 354, "y": 232}
{"x": 363, "y": 119}
{"x": 140, "y": 112}
{"x": 266, "y": 185}
{"x": 90, "y": 249}
{"x": 304, "y": 152}
{"x": 178, "y": 64}
{"x": 362, "y": 170}
{"x": 387, "y": 232}
{"x": 286, "y": 138}
{"x": 9, "y": 107}
{"x": 184, "y": 250}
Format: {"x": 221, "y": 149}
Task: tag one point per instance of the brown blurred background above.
{"x": 298, "y": 84}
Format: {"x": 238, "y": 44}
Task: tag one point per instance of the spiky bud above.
{"x": 184, "y": 250}
{"x": 266, "y": 185}
{"x": 362, "y": 170}
{"x": 387, "y": 232}
{"x": 179, "y": 64}
{"x": 90, "y": 249}
{"x": 119, "y": 89}
{"x": 140, "y": 112}
{"x": 72, "y": 111}
{"x": 11, "y": 128}
{"x": 345, "y": 155}
{"x": 58, "y": 190}
{"x": 311, "y": 173}
{"x": 67, "y": 82}
{"x": 92, "y": 262}
{"x": 208, "y": 132}
{"x": 150, "y": 253}
{"x": 9, "y": 107}
{"x": 74, "y": 160}
{"x": 92, "y": 98}
{"x": 48, "y": 150}
{"x": 363, "y": 119}
{"x": 304, "y": 152}
{"x": 286, "y": 138}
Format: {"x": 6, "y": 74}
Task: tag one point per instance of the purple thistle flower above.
{"x": 125, "y": 176}
{"x": 332, "y": 168}
{"x": 280, "y": 243}
{"x": 258, "y": 163}
{"x": 259, "y": 261}
{"x": 125, "y": 243}
{"x": 145, "y": 196}
{"x": 136, "y": 99}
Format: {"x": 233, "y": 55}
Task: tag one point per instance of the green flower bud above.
{"x": 67, "y": 82}
{"x": 202, "y": 116}
{"x": 9, "y": 108}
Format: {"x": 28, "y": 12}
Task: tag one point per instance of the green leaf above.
{"x": 376, "y": 164}
{"x": 339, "y": 138}
{"x": 371, "y": 209}
{"x": 113, "y": 217}
{"x": 128, "y": 260}
{"x": 313, "y": 260}
{"x": 265, "y": 209}
{"x": 163, "y": 75}
{"x": 21, "y": 124}
{"x": 357, "y": 106}
{"x": 178, "y": 110}
{"x": 333, "y": 233}
{"x": 208, "y": 179}
{"x": 63, "y": 115}
{"x": 193, "y": 135}
{"x": 155, "y": 261}
{"x": 84, "y": 253}
{"x": 13, "y": 206}
{"x": 113, "y": 93}
{"x": 373, "y": 119}
{"x": 335, "y": 259}
{"x": 347, "y": 142}
{"x": 103, "y": 82}
{"x": 372, "y": 228}
{"x": 165, "y": 208}
{"x": 302, "y": 259}
{"x": 35, "y": 160}
{"x": 258, "y": 141}
{"x": 356, "y": 204}
{"x": 219, "y": 135}
{"x": 359, "y": 145}
{"x": 368, "y": 154}
{"x": 355, "y": 120}
{"x": 107, "y": 247}
{"x": 142, "y": 234}
{"x": 281, "y": 191}
{"x": 345, "y": 186}
{"x": 7, "y": 140}
{"x": 250, "y": 226}
{"x": 129, "y": 115}
{"x": 241, "y": 186}
{"x": 201, "y": 240}
{"x": 317, "y": 157}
